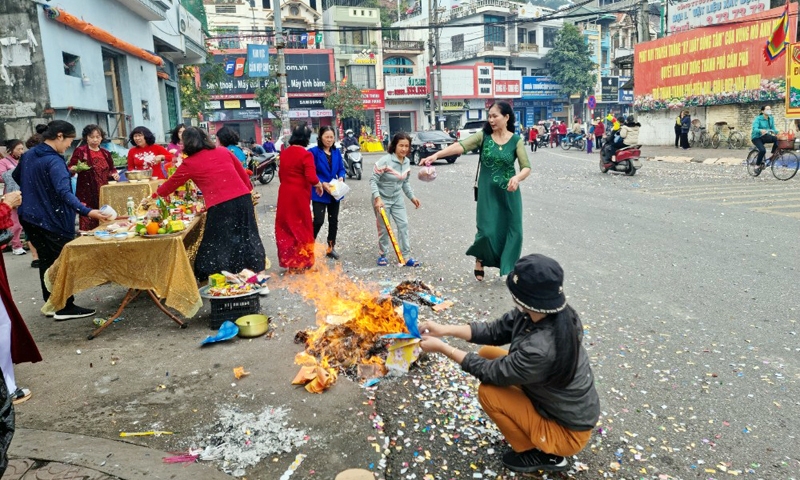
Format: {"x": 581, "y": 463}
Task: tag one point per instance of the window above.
{"x": 398, "y": 66}
{"x": 496, "y": 61}
{"x": 313, "y": 4}
{"x": 550, "y": 35}
{"x": 522, "y": 34}
{"x": 524, "y": 70}
{"x": 294, "y": 11}
{"x": 229, "y": 37}
{"x": 72, "y": 64}
{"x": 266, "y": 4}
{"x": 532, "y": 37}
{"x": 457, "y": 43}
{"x": 225, "y": 9}
{"x": 362, "y": 76}
{"x": 605, "y": 57}
{"x": 354, "y": 37}
{"x": 494, "y": 32}
{"x": 172, "y": 106}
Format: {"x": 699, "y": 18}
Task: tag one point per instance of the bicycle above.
{"x": 698, "y": 137}
{"x": 733, "y": 138}
{"x": 783, "y": 162}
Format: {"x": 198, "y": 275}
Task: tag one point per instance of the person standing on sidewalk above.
{"x": 686, "y": 125}
{"x": 678, "y": 120}
{"x": 599, "y": 131}
{"x": 764, "y": 132}
{"x": 540, "y": 392}
{"x": 48, "y": 207}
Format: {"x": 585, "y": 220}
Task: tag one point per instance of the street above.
{"x": 684, "y": 275}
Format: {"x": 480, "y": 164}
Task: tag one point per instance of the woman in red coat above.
{"x": 96, "y": 168}
{"x": 16, "y": 343}
{"x": 294, "y": 230}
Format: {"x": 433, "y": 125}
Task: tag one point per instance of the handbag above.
{"x": 5, "y": 237}
{"x": 478, "y": 171}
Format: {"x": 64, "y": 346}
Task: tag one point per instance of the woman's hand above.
{"x": 318, "y": 189}
{"x": 378, "y": 203}
{"x": 326, "y": 186}
{"x": 432, "y": 329}
{"x": 513, "y": 184}
{"x": 432, "y": 344}
{"x": 13, "y": 199}
{"x": 415, "y": 201}
{"x": 159, "y": 158}
{"x": 95, "y": 214}
{"x": 115, "y": 175}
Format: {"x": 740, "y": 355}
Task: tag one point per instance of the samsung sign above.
{"x": 540, "y": 88}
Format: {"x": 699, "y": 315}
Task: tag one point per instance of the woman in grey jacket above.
{"x": 540, "y": 392}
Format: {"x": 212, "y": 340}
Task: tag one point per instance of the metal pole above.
{"x": 438, "y": 68}
{"x": 283, "y": 96}
{"x": 432, "y": 53}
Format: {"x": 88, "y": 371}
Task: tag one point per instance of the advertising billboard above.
{"x": 715, "y": 65}
{"x": 507, "y": 84}
{"x": 691, "y": 14}
{"x": 307, "y": 74}
{"x": 402, "y": 86}
{"x": 473, "y": 81}
{"x": 609, "y": 89}
{"x": 540, "y": 88}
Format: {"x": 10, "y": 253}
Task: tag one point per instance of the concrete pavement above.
{"x": 712, "y": 156}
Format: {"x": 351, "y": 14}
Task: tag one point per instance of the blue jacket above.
{"x": 239, "y": 154}
{"x": 326, "y": 173}
{"x": 761, "y": 123}
{"x": 47, "y": 198}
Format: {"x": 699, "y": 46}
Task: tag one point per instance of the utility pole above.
{"x": 432, "y": 53}
{"x": 283, "y": 96}
{"x": 644, "y": 22}
{"x": 437, "y": 33}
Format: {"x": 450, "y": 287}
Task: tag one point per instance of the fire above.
{"x": 351, "y": 317}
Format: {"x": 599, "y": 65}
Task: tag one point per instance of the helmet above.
{"x": 348, "y": 132}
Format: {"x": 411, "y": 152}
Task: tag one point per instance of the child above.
{"x": 390, "y": 180}
{"x": 540, "y": 392}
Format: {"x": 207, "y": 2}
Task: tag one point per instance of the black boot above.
{"x": 332, "y": 251}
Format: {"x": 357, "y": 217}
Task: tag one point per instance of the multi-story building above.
{"x": 92, "y": 61}
{"x": 234, "y": 24}
{"x": 406, "y": 85}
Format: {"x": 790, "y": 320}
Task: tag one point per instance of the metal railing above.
{"x": 389, "y": 44}
{"x": 524, "y": 48}
{"x": 472, "y": 7}
{"x": 351, "y": 49}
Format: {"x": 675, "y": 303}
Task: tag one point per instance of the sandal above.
{"x": 382, "y": 262}
{"x": 479, "y": 274}
{"x": 21, "y": 395}
{"x": 412, "y": 263}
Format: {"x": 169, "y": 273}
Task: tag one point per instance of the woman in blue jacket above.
{"x": 328, "y": 161}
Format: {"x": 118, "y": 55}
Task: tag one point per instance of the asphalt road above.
{"x": 685, "y": 277}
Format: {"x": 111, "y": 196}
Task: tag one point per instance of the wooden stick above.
{"x": 391, "y": 236}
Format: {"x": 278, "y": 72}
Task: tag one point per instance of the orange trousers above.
{"x": 520, "y": 423}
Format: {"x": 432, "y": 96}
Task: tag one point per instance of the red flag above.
{"x": 776, "y": 45}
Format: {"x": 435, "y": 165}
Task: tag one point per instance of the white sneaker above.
{"x": 19, "y": 251}
{"x": 263, "y": 291}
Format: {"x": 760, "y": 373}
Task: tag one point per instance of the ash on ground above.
{"x": 238, "y": 440}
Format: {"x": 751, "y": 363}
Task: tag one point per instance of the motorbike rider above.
{"x": 349, "y": 139}
{"x": 576, "y": 131}
{"x": 628, "y": 136}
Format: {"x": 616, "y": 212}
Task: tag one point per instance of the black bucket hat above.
{"x": 536, "y": 283}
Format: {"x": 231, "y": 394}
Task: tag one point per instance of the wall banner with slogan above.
{"x": 715, "y": 65}
{"x": 258, "y": 61}
{"x": 793, "y": 81}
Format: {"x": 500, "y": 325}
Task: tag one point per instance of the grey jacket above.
{"x": 390, "y": 179}
{"x": 528, "y": 364}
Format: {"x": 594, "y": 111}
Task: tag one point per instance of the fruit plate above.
{"x": 204, "y": 293}
{"x": 162, "y": 235}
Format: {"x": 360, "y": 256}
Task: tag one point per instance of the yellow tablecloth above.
{"x": 372, "y": 146}
{"x": 117, "y": 194}
{"x": 163, "y": 265}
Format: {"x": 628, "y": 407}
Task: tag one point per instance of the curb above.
{"x": 115, "y": 458}
{"x": 729, "y": 161}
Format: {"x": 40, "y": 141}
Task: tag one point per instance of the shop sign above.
{"x": 306, "y": 103}
{"x": 378, "y": 126}
{"x": 702, "y": 13}
{"x": 485, "y": 81}
{"x": 400, "y": 86}
{"x": 540, "y": 88}
{"x": 320, "y": 113}
{"x": 507, "y": 83}
{"x": 258, "y": 61}
{"x": 364, "y": 58}
{"x": 307, "y": 74}
{"x": 625, "y": 96}
{"x": 227, "y": 115}
{"x": 609, "y": 90}
{"x": 298, "y": 114}
{"x": 453, "y": 105}
{"x": 793, "y": 82}
{"x": 715, "y": 65}
{"x": 373, "y": 99}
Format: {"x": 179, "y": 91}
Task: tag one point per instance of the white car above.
{"x": 469, "y": 128}
{"x": 312, "y": 142}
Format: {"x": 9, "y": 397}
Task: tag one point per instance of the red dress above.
{"x": 294, "y": 231}
{"x": 90, "y": 181}
{"x": 23, "y": 348}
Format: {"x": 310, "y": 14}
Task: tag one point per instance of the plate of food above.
{"x": 229, "y": 291}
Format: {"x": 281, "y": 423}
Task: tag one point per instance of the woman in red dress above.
{"x": 16, "y": 342}
{"x": 294, "y": 230}
{"x": 94, "y": 167}
{"x": 146, "y": 153}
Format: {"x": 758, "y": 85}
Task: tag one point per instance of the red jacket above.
{"x": 562, "y": 128}
{"x": 217, "y": 173}
{"x": 599, "y": 129}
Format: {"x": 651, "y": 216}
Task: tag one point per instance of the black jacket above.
{"x": 528, "y": 365}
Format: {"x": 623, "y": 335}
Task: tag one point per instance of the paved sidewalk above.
{"x": 42, "y": 455}
{"x": 718, "y": 156}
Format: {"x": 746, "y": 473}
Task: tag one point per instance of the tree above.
{"x": 194, "y": 96}
{"x": 345, "y": 100}
{"x": 268, "y": 96}
{"x": 570, "y": 62}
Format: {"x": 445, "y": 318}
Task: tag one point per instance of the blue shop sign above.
{"x": 540, "y": 88}
{"x": 625, "y": 96}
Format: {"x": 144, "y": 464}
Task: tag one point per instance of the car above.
{"x": 470, "y": 128}
{"x": 312, "y": 142}
{"x": 424, "y": 144}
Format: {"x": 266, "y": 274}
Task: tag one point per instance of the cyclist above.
{"x": 763, "y": 132}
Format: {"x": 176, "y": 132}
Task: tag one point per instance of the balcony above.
{"x": 351, "y": 49}
{"x": 526, "y": 50}
{"x": 479, "y": 6}
{"x": 622, "y": 52}
{"x": 151, "y": 10}
{"x": 395, "y": 46}
{"x": 487, "y": 49}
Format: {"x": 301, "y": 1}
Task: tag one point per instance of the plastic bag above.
{"x": 338, "y": 189}
{"x": 427, "y": 174}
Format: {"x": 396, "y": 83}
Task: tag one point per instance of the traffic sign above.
{"x": 592, "y": 102}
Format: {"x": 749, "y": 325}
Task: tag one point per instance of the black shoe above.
{"x": 73, "y": 311}
{"x": 533, "y": 461}
{"x": 35, "y": 263}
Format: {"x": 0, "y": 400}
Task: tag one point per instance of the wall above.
{"x": 138, "y": 77}
{"x": 23, "y": 88}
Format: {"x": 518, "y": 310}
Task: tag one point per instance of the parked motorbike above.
{"x": 352, "y": 161}
{"x": 626, "y": 160}
{"x": 543, "y": 141}
{"x": 576, "y": 140}
{"x": 263, "y": 167}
